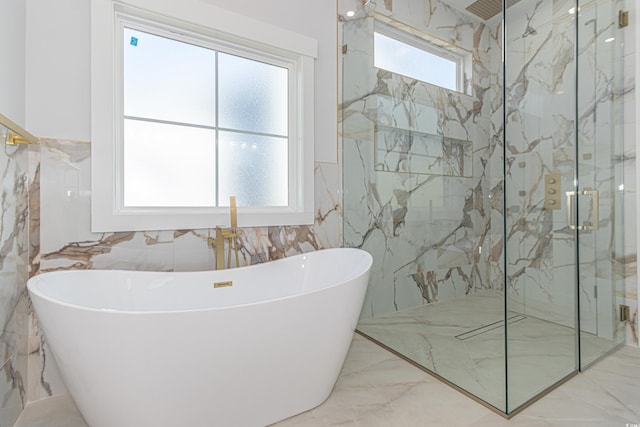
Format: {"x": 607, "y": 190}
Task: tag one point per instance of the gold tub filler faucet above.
{"x": 224, "y": 235}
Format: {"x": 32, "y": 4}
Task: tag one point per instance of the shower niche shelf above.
{"x": 410, "y": 151}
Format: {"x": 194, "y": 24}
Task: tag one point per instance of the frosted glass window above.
{"x": 172, "y": 131}
{"x": 165, "y": 79}
{"x": 253, "y": 96}
{"x": 254, "y": 168}
{"x": 165, "y": 156}
{"x": 168, "y": 165}
{"x": 200, "y": 118}
{"x": 402, "y": 58}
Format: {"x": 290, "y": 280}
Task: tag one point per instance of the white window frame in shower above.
{"x": 209, "y": 25}
{"x": 427, "y": 46}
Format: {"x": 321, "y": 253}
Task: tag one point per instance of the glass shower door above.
{"x": 599, "y": 197}
{"x": 563, "y": 191}
{"x": 540, "y": 168}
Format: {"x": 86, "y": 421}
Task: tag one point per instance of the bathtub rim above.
{"x": 33, "y": 289}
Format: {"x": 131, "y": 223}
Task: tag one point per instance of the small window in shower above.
{"x": 421, "y": 57}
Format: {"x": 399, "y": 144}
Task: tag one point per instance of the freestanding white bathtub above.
{"x": 170, "y": 349}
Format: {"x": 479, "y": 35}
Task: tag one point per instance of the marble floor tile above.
{"x": 463, "y": 341}
{"x": 376, "y": 388}
{"x": 57, "y": 411}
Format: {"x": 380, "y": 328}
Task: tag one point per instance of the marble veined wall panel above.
{"x": 540, "y": 81}
{"x": 541, "y": 140}
{"x": 14, "y": 272}
{"x": 428, "y": 224}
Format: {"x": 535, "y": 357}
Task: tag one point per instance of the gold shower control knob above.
{"x": 552, "y": 191}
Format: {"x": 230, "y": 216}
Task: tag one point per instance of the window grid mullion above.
{"x": 195, "y": 125}
{"x": 217, "y": 141}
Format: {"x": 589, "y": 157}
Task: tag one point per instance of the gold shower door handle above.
{"x": 595, "y": 203}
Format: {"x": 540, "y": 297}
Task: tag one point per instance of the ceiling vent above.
{"x": 487, "y": 9}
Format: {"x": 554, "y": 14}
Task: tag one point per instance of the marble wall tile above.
{"x": 426, "y": 232}
{"x": 190, "y": 251}
{"x": 43, "y": 378}
{"x": 14, "y": 271}
{"x": 436, "y": 227}
{"x": 540, "y": 75}
{"x": 13, "y": 349}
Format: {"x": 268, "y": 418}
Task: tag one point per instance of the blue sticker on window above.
{"x": 134, "y": 41}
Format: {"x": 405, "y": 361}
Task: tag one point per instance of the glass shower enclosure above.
{"x": 485, "y": 178}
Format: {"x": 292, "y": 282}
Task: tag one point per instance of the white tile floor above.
{"x": 377, "y": 388}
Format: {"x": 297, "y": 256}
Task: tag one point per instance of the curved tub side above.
{"x": 242, "y": 366}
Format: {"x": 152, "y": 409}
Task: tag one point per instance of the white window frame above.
{"x": 461, "y": 57}
{"x": 232, "y": 33}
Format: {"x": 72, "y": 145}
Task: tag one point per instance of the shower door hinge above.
{"x": 623, "y": 18}
{"x": 595, "y": 292}
{"x": 624, "y": 313}
{"x": 345, "y": 48}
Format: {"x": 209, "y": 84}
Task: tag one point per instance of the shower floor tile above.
{"x": 462, "y": 340}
